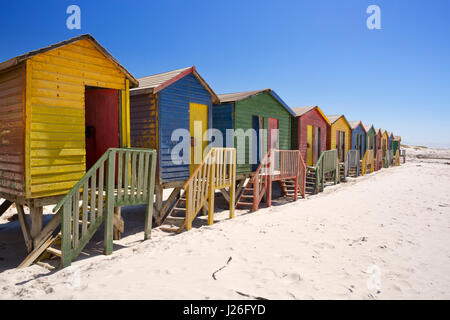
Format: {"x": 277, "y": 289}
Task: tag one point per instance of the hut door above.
{"x": 272, "y": 134}
{"x": 198, "y": 113}
{"x": 102, "y": 122}
{"x": 257, "y": 124}
{"x": 340, "y": 144}
{"x": 316, "y": 144}
{"x": 309, "y": 145}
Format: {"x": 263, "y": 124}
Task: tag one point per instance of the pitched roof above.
{"x": 355, "y": 124}
{"x": 368, "y": 127}
{"x": 156, "y": 82}
{"x": 300, "y": 111}
{"x": 17, "y": 60}
{"x": 335, "y": 117}
{"x": 238, "y": 96}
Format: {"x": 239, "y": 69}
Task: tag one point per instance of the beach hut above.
{"x": 358, "y": 137}
{"x": 379, "y": 133}
{"x": 309, "y": 133}
{"x": 62, "y": 108}
{"x": 266, "y": 121}
{"x": 164, "y": 104}
{"x": 390, "y": 141}
{"x": 339, "y": 135}
{"x": 384, "y": 142}
{"x": 370, "y": 137}
{"x": 396, "y": 143}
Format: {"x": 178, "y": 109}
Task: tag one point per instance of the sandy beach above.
{"x": 382, "y": 236}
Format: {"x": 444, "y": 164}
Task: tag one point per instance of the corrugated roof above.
{"x": 334, "y": 117}
{"x": 157, "y": 79}
{"x": 299, "y": 111}
{"x": 16, "y": 60}
{"x": 367, "y": 127}
{"x": 232, "y": 97}
{"x": 156, "y": 82}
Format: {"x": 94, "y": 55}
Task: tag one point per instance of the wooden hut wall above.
{"x": 12, "y": 132}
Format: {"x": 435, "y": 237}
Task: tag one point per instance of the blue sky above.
{"x": 310, "y": 52}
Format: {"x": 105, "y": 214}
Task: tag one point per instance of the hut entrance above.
{"x": 313, "y": 144}
{"x": 198, "y": 115}
{"x": 102, "y": 122}
{"x": 340, "y": 144}
{"x": 257, "y": 124}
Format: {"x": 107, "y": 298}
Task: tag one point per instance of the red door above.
{"x": 272, "y": 134}
{"x": 102, "y": 123}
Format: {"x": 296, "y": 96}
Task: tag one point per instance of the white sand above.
{"x": 396, "y": 221}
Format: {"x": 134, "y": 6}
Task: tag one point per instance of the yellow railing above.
{"x": 367, "y": 161}
{"x": 397, "y": 158}
{"x": 217, "y": 171}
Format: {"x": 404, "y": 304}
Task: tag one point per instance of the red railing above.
{"x": 379, "y": 160}
{"x": 278, "y": 165}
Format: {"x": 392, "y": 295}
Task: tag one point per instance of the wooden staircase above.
{"x": 288, "y": 189}
{"x": 342, "y": 177}
{"x": 91, "y": 202}
{"x": 311, "y": 186}
{"x": 285, "y": 166}
{"x": 245, "y": 201}
{"x": 217, "y": 171}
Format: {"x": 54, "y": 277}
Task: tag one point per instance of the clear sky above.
{"x": 310, "y": 52}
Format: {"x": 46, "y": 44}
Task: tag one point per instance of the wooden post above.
{"x": 36, "y": 220}
{"x": 66, "y": 242}
{"x": 212, "y": 188}
{"x": 151, "y": 192}
{"x": 25, "y": 228}
{"x": 232, "y": 184}
{"x": 118, "y": 224}
{"x": 158, "y": 201}
{"x": 109, "y": 214}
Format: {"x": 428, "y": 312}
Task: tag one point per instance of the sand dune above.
{"x": 382, "y": 236}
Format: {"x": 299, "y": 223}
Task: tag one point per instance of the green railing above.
{"x": 120, "y": 177}
{"x": 351, "y": 161}
{"x": 327, "y": 163}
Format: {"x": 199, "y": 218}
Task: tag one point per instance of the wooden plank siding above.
{"x": 266, "y": 106}
{"x": 12, "y": 132}
{"x": 56, "y": 81}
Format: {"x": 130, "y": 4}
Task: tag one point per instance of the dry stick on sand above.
{"x": 250, "y": 296}
{"x": 214, "y": 274}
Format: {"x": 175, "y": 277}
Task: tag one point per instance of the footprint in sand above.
{"x": 323, "y": 245}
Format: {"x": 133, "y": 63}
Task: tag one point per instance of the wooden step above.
{"x": 175, "y": 219}
{"x": 45, "y": 265}
{"x": 239, "y": 203}
{"x": 54, "y": 251}
{"x": 179, "y": 209}
{"x": 167, "y": 229}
